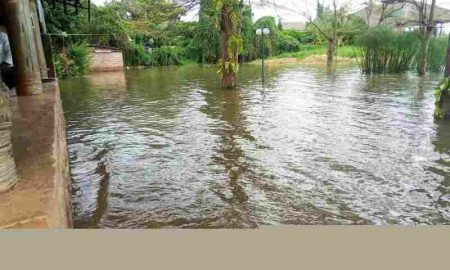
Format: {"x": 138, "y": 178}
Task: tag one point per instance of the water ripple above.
{"x": 166, "y": 147}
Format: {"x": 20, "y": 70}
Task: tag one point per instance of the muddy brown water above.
{"x": 167, "y": 147}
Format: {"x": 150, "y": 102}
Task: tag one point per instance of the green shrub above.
{"x": 135, "y": 55}
{"x": 301, "y": 36}
{"x": 168, "y": 55}
{"x": 439, "y": 93}
{"x": 74, "y": 62}
{"x": 79, "y": 53}
{"x": 163, "y": 56}
{"x": 286, "y": 43}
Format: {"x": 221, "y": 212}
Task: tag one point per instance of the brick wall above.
{"x": 106, "y": 60}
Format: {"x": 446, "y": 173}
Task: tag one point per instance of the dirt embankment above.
{"x": 313, "y": 60}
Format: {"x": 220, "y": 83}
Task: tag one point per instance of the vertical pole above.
{"x": 38, "y": 39}
{"x": 263, "y": 52}
{"x": 447, "y": 60}
{"x": 46, "y": 41}
{"x": 23, "y": 47}
{"x": 89, "y": 10}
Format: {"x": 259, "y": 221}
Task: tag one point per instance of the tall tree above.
{"x": 230, "y": 21}
{"x": 426, "y": 12}
{"x": 447, "y": 59}
{"x": 383, "y": 9}
{"x": 333, "y": 21}
{"x": 320, "y": 9}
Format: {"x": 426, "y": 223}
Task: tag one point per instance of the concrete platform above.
{"x": 41, "y": 198}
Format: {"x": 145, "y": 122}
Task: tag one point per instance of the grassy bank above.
{"x": 306, "y": 51}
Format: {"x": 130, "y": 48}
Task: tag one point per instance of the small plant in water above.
{"x": 441, "y": 91}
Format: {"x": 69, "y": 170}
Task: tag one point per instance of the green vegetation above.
{"x": 229, "y": 14}
{"x": 207, "y": 34}
{"x": 436, "y": 54}
{"x": 167, "y": 56}
{"x": 74, "y": 62}
{"x": 383, "y": 50}
{"x": 150, "y": 33}
{"x": 308, "y": 50}
{"x": 440, "y": 93}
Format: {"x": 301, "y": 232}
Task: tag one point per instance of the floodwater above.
{"x": 168, "y": 148}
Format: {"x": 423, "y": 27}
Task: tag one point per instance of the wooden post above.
{"x": 47, "y": 42}
{"x": 89, "y": 10}
{"x": 38, "y": 39}
{"x": 21, "y": 39}
{"x": 447, "y": 60}
{"x": 8, "y": 175}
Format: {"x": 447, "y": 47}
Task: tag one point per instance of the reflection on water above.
{"x": 166, "y": 147}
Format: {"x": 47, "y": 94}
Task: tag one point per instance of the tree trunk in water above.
{"x": 447, "y": 60}
{"x": 330, "y": 54}
{"x": 8, "y": 176}
{"x": 226, "y": 28}
{"x": 422, "y": 68}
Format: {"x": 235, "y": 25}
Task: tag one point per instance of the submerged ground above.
{"x": 166, "y": 147}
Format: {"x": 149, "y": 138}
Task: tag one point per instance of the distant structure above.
{"x": 105, "y": 59}
{"x": 299, "y": 26}
{"x": 404, "y": 18}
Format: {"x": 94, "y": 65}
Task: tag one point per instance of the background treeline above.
{"x": 136, "y": 25}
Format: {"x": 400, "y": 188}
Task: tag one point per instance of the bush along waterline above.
{"x": 442, "y": 100}
{"x": 72, "y": 62}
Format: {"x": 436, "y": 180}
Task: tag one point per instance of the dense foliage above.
{"x": 73, "y": 62}
{"x": 134, "y": 26}
{"x": 150, "y": 32}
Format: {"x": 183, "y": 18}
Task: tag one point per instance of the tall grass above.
{"x": 304, "y": 51}
{"x": 386, "y": 51}
{"x": 437, "y": 50}
{"x": 168, "y": 56}
{"x": 308, "y": 50}
{"x": 136, "y": 55}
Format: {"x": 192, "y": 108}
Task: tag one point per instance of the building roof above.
{"x": 406, "y": 16}
{"x": 293, "y": 25}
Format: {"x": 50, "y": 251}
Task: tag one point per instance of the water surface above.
{"x": 167, "y": 147}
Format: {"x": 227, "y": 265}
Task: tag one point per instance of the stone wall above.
{"x": 42, "y": 196}
{"x": 105, "y": 60}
